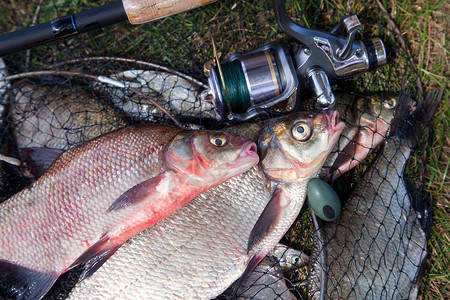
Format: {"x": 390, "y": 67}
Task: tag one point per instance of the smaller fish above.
{"x": 367, "y": 124}
{"x": 266, "y": 282}
{"x": 179, "y": 95}
{"x": 46, "y": 120}
{"x": 289, "y": 258}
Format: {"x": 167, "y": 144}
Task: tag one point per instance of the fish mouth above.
{"x": 334, "y": 126}
{"x": 247, "y": 156}
{"x": 249, "y": 149}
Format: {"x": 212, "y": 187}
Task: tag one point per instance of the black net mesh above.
{"x": 55, "y": 99}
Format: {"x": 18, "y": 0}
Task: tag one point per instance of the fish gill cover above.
{"x": 53, "y": 99}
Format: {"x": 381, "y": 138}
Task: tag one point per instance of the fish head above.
{"x": 211, "y": 154}
{"x": 376, "y": 113}
{"x": 295, "y": 146}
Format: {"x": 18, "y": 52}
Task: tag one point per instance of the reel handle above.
{"x": 143, "y": 11}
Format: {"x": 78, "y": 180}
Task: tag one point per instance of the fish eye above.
{"x": 301, "y": 131}
{"x": 390, "y": 103}
{"x": 218, "y": 141}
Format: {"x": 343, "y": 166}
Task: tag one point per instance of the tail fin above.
{"x": 410, "y": 123}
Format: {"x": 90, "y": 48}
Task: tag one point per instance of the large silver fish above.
{"x": 376, "y": 249}
{"x": 101, "y": 193}
{"x": 200, "y": 250}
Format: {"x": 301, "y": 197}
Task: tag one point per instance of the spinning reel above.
{"x": 248, "y": 84}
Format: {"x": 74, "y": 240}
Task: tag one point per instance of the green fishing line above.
{"x": 236, "y": 86}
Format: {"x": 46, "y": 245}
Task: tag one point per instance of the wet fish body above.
{"x": 175, "y": 93}
{"x": 58, "y": 117}
{"x": 204, "y": 247}
{"x": 99, "y": 194}
{"x": 182, "y": 253}
{"x": 377, "y": 248}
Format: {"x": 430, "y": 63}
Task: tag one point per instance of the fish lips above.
{"x": 280, "y": 162}
{"x": 247, "y": 158}
{"x": 334, "y": 126}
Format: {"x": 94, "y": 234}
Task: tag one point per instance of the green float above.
{"x": 323, "y": 200}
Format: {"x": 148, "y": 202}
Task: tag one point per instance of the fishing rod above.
{"x": 262, "y": 80}
{"x": 135, "y": 11}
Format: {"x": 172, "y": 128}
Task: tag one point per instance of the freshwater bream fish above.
{"x": 200, "y": 250}
{"x": 377, "y": 247}
{"x": 99, "y": 194}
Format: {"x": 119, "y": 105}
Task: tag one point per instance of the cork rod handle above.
{"x": 142, "y": 11}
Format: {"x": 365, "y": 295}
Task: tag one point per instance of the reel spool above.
{"x": 245, "y": 84}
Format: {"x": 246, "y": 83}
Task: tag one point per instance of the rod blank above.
{"x": 136, "y": 11}
{"x": 62, "y": 27}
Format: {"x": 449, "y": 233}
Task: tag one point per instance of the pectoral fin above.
{"x": 268, "y": 219}
{"x": 25, "y": 282}
{"x": 139, "y": 192}
{"x": 97, "y": 261}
